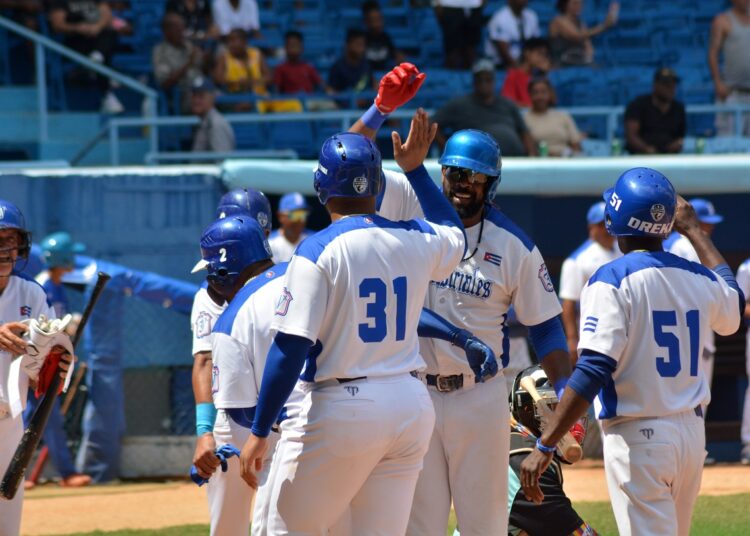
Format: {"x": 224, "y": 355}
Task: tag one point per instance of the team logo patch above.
{"x": 262, "y": 218}
{"x": 270, "y": 274}
{"x": 359, "y": 184}
{"x": 493, "y": 258}
{"x": 282, "y": 306}
{"x": 25, "y": 310}
{"x": 367, "y": 219}
{"x": 545, "y": 278}
{"x": 203, "y": 325}
{"x": 214, "y": 379}
{"x": 267, "y": 246}
{"x": 658, "y": 211}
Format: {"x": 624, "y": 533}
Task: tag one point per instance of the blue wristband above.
{"x": 374, "y": 118}
{"x": 544, "y": 448}
{"x": 205, "y": 415}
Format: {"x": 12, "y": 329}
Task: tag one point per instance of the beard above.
{"x": 465, "y": 200}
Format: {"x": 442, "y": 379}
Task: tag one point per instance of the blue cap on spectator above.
{"x": 705, "y": 211}
{"x": 202, "y": 84}
{"x": 595, "y": 213}
{"x": 291, "y": 202}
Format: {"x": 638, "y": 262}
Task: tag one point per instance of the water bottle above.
{"x": 616, "y": 147}
{"x": 700, "y": 145}
{"x": 543, "y": 149}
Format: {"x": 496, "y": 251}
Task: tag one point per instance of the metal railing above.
{"x": 41, "y": 43}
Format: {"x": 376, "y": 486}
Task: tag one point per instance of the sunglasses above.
{"x": 297, "y": 215}
{"x": 458, "y": 174}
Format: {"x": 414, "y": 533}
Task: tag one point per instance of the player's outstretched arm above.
{"x": 397, "y": 87}
{"x": 550, "y": 344}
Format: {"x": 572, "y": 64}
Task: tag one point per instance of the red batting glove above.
{"x": 49, "y": 368}
{"x": 397, "y": 87}
{"x": 578, "y": 431}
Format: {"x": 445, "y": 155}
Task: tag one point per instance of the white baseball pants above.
{"x": 11, "y": 431}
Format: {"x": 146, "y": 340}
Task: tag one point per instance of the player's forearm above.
{"x": 704, "y": 247}
{"x": 571, "y": 408}
{"x": 550, "y": 345}
{"x": 435, "y": 206}
{"x": 202, "y": 364}
{"x": 570, "y": 323}
{"x": 433, "y": 326}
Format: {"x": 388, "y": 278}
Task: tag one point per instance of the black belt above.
{"x": 347, "y": 380}
{"x": 698, "y": 411}
{"x": 445, "y": 384}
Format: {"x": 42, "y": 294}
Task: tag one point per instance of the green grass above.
{"x": 728, "y": 515}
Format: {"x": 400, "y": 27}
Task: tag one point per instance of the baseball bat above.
{"x": 568, "y": 446}
{"x": 31, "y": 436}
{"x": 41, "y": 460}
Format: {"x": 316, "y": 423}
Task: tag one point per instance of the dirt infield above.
{"x": 52, "y": 510}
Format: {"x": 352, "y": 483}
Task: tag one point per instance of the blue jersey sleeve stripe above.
{"x": 226, "y": 320}
{"x": 504, "y": 222}
{"x": 614, "y": 272}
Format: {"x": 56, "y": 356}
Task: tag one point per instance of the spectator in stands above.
{"x": 655, "y": 123}
{"x": 86, "y": 28}
{"x": 535, "y": 63}
{"x": 485, "y": 110}
{"x": 730, "y": 37}
{"x": 199, "y": 21}
{"x": 554, "y": 128}
{"x": 232, "y": 14}
{"x": 240, "y": 68}
{"x": 214, "y": 133}
{"x": 508, "y": 29}
{"x": 176, "y": 61}
{"x": 461, "y": 22}
{"x": 296, "y": 75}
{"x": 352, "y": 72}
{"x": 569, "y": 36}
{"x": 23, "y": 11}
{"x": 379, "y": 49}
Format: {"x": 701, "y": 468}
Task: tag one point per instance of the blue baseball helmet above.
{"x": 475, "y": 150}
{"x": 228, "y": 246}
{"x": 349, "y": 166}
{"x": 12, "y": 218}
{"x": 642, "y": 203}
{"x": 246, "y": 201}
{"x": 595, "y": 213}
{"x": 59, "y": 249}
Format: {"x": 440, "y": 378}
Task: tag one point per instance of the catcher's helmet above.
{"x": 12, "y": 218}
{"x": 522, "y": 406}
{"x": 349, "y": 166}
{"x": 246, "y": 201}
{"x": 642, "y": 203}
{"x": 58, "y": 249}
{"x": 230, "y": 245}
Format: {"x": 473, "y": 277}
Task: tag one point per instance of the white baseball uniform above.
{"x": 581, "y": 265}
{"x": 23, "y": 298}
{"x": 203, "y": 318}
{"x": 468, "y": 456}
{"x": 743, "y": 280}
{"x": 282, "y": 248}
{"x": 682, "y": 247}
{"x": 364, "y": 422}
{"x": 651, "y": 312}
{"x": 240, "y": 343}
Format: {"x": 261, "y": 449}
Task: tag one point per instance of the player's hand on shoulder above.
{"x": 411, "y": 153}
{"x": 204, "y": 457}
{"x": 531, "y": 469}
{"x": 398, "y": 86}
{"x": 10, "y": 337}
{"x": 685, "y": 219}
{"x": 251, "y": 459}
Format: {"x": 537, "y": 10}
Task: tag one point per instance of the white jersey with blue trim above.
{"x": 282, "y": 248}
{"x": 203, "y": 318}
{"x": 358, "y": 287}
{"x": 506, "y": 268}
{"x": 241, "y": 340}
{"x": 397, "y": 200}
{"x": 682, "y": 247}
{"x": 650, "y": 312}
{"x": 743, "y": 280}
{"x": 22, "y": 299}
{"x": 581, "y": 265}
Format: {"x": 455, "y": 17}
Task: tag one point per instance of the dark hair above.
{"x": 540, "y": 80}
{"x": 170, "y": 15}
{"x": 536, "y": 43}
{"x": 370, "y": 5}
{"x": 294, "y": 34}
{"x": 562, "y": 5}
{"x": 354, "y": 33}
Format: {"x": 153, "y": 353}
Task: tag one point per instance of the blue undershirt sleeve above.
{"x": 726, "y": 274}
{"x": 548, "y": 337}
{"x": 286, "y": 357}
{"x": 436, "y": 208}
{"x": 434, "y": 326}
{"x": 591, "y": 373}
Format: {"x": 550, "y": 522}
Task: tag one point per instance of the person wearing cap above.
{"x": 214, "y": 134}
{"x": 292, "y": 214}
{"x": 599, "y": 249}
{"x": 58, "y": 250}
{"x": 656, "y": 123}
{"x": 485, "y": 110}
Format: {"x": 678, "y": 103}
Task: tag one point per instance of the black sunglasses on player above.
{"x": 459, "y": 174}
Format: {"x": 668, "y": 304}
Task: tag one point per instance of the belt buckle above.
{"x": 445, "y": 384}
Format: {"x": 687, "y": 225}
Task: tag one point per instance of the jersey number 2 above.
{"x": 376, "y": 329}
{"x": 670, "y": 366}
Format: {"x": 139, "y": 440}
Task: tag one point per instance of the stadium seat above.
{"x": 250, "y": 136}
{"x": 297, "y": 136}
{"x": 725, "y": 145}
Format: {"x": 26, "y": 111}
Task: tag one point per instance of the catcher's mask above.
{"x": 522, "y": 406}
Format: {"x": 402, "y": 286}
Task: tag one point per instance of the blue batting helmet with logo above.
{"x": 349, "y": 166}
{"x": 230, "y": 245}
{"x": 246, "y": 201}
{"x": 58, "y": 249}
{"x": 475, "y": 150}
{"x": 642, "y": 203}
{"x": 12, "y": 218}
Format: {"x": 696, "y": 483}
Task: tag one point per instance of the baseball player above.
{"x": 599, "y": 249}
{"x": 21, "y": 299}
{"x": 743, "y": 280}
{"x": 681, "y": 246}
{"x": 292, "y": 214}
{"x": 502, "y": 267}
{"x": 356, "y": 289}
{"x": 645, "y": 322}
{"x": 58, "y": 250}
{"x": 208, "y": 305}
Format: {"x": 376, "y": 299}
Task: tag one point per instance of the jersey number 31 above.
{"x": 376, "y": 329}
{"x": 670, "y": 366}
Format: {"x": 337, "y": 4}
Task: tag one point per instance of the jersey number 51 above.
{"x": 670, "y": 366}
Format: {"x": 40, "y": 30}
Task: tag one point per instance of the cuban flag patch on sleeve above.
{"x": 493, "y": 258}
